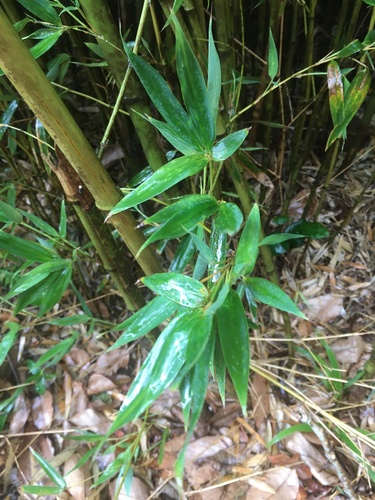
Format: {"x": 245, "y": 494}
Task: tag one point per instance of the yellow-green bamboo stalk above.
{"x": 33, "y": 86}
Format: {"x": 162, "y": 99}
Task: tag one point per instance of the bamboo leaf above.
{"x": 45, "y": 45}
{"x": 270, "y": 294}
{"x": 234, "y": 340}
{"x": 43, "y": 10}
{"x": 274, "y": 239}
{"x": 164, "y": 100}
{"x": 336, "y": 92}
{"x": 9, "y": 213}
{"x": 7, "y": 116}
{"x": 143, "y": 321}
{"x": 160, "y": 368}
{"x": 183, "y": 255}
{"x": 161, "y": 180}
{"x": 214, "y": 76}
{"x": 182, "y": 289}
{"x": 247, "y": 251}
{"x": 193, "y": 90}
{"x": 353, "y": 100}
{"x": 289, "y": 431}
{"x": 25, "y": 249}
{"x": 41, "y": 224}
{"x": 8, "y": 340}
{"x": 228, "y": 219}
{"x": 273, "y": 59}
{"x": 168, "y": 131}
{"x": 51, "y": 472}
{"x": 229, "y": 145}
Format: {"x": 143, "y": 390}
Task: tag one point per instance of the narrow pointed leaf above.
{"x": 25, "y": 249}
{"x": 169, "y": 132}
{"x": 183, "y": 204}
{"x": 161, "y": 367}
{"x": 273, "y": 60}
{"x": 164, "y": 100}
{"x": 234, "y": 340}
{"x": 51, "y": 472}
{"x": 274, "y": 239}
{"x": 214, "y": 76}
{"x": 229, "y": 145}
{"x": 336, "y": 93}
{"x": 247, "y": 251}
{"x": 270, "y": 294}
{"x": 144, "y": 320}
{"x": 161, "y": 180}
{"x": 193, "y": 90}
{"x": 7, "y": 116}
{"x": 183, "y": 255}
{"x": 7, "y": 342}
{"x": 182, "y": 289}
{"x": 43, "y": 10}
{"x": 9, "y": 213}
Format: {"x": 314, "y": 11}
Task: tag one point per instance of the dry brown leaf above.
{"x": 138, "y": 491}
{"x": 42, "y": 410}
{"x": 78, "y": 481}
{"x": 349, "y": 349}
{"x": 207, "y": 447}
{"x": 99, "y": 383}
{"x": 78, "y": 359}
{"x": 279, "y": 484}
{"x": 297, "y": 443}
{"x": 325, "y": 308}
{"x": 298, "y": 203}
{"x": 259, "y": 392}
{"x": 20, "y": 414}
{"x": 110, "y": 362}
{"x": 91, "y": 420}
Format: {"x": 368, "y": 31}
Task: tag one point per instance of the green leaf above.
{"x": 183, "y": 255}
{"x": 193, "y": 90}
{"x": 164, "y": 100}
{"x": 289, "y": 431}
{"x": 51, "y": 472}
{"x": 273, "y": 59}
{"x": 247, "y": 251}
{"x": 184, "y": 220}
{"x": 41, "y": 490}
{"x": 182, "y": 289}
{"x": 45, "y": 45}
{"x": 169, "y": 132}
{"x": 25, "y": 249}
{"x": 35, "y": 276}
{"x": 10, "y": 213}
{"x": 161, "y": 180}
{"x": 62, "y": 223}
{"x": 144, "y": 320}
{"x": 55, "y": 354}
{"x": 183, "y": 204}
{"x": 274, "y": 239}
{"x": 43, "y": 10}
{"x": 8, "y": 340}
{"x": 353, "y": 100}
{"x": 352, "y": 48}
{"x": 160, "y": 368}
{"x": 214, "y": 76}
{"x": 227, "y": 146}
{"x": 7, "y": 116}
{"x": 336, "y": 93}
{"x": 234, "y": 340}
{"x": 220, "y": 368}
{"x": 307, "y": 229}
{"x": 41, "y": 224}
{"x": 228, "y": 219}
{"x": 270, "y": 294}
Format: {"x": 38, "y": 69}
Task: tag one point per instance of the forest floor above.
{"x": 326, "y": 385}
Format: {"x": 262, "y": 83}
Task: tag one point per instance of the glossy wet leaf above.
{"x": 164, "y": 100}
{"x": 228, "y": 219}
{"x": 273, "y": 59}
{"x": 169, "y": 132}
{"x": 270, "y": 294}
{"x": 220, "y": 367}
{"x": 179, "y": 288}
{"x": 234, "y": 340}
{"x": 161, "y": 180}
{"x": 229, "y": 145}
{"x": 143, "y": 321}
{"x": 247, "y": 251}
{"x": 160, "y": 368}
{"x": 28, "y": 250}
{"x": 7, "y": 116}
{"x": 46, "y": 44}
{"x": 183, "y": 254}
{"x": 193, "y": 90}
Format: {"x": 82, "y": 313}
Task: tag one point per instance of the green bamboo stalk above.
{"x": 99, "y": 17}
{"x": 40, "y": 96}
